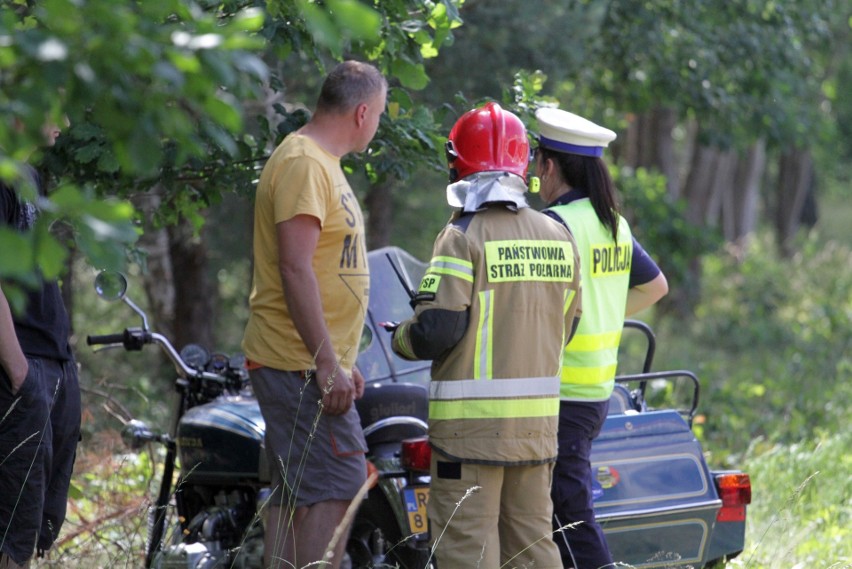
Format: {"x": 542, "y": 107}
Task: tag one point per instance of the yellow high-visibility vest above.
{"x": 590, "y": 359}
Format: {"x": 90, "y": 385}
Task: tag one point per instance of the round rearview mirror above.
{"x": 110, "y": 285}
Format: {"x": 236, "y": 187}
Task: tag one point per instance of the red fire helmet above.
{"x": 488, "y": 139}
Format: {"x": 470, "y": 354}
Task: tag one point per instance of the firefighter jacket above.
{"x": 496, "y": 308}
{"x": 588, "y": 368}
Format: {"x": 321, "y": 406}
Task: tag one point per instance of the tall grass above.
{"x": 772, "y": 346}
{"x": 801, "y": 515}
{"x": 108, "y": 504}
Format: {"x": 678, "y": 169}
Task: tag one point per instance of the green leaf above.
{"x": 411, "y": 75}
{"x": 428, "y": 50}
{"x": 185, "y": 61}
{"x": 68, "y": 199}
{"x": 170, "y": 73}
{"x": 88, "y": 152}
{"x": 75, "y": 493}
{"x": 144, "y": 152}
{"x": 221, "y": 137}
{"x": 252, "y": 65}
{"x": 8, "y": 169}
{"x": 50, "y": 256}
{"x": 104, "y": 254}
{"x": 249, "y": 20}
{"x": 21, "y": 261}
{"x": 225, "y": 112}
{"x": 321, "y": 27}
{"x": 118, "y": 232}
{"x": 400, "y": 97}
{"x": 108, "y": 163}
{"x": 355, "y": 19}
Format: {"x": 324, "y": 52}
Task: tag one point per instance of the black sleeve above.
{"x": 643, "y": 269}
{"x": 436, "y": 330}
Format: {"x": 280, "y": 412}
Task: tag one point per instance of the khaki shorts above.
{"x": 313, "y": 457}
{"x": 506, "y": 522}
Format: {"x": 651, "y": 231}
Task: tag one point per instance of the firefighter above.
{"x": 619, "y": 279}
{"x": 494, "y": 311}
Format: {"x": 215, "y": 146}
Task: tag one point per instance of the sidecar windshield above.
{"x": 389, "y": 302}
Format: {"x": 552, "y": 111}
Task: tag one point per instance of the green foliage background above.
{"x": 772, "y": 341}
{"x": 771, "y": 337}
{"x": 772, "y": 346}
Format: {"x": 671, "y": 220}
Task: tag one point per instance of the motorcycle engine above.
{"x": 219, "y": 537}
{"x": 208, "y": 556}
{"x": 190, "y": 556}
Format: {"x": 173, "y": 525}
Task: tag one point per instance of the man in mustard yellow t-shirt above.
{"x": 307, "y": 306}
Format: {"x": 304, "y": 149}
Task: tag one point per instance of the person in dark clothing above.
{"x": 39, "y": 405}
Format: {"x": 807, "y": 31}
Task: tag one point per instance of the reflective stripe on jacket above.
{"x": 589, "y": 365}
{"x": 494, "y": 395}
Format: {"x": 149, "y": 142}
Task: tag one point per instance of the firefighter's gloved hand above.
{"x": 390, "y": 326}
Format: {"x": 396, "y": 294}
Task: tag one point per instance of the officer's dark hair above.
{"x": 349, "y": 84}
{"x": 589, "y": 175}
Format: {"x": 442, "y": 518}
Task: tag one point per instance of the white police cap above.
{"x": 566, "y": 132}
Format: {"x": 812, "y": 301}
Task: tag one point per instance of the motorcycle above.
{"x": 215, "y": 476}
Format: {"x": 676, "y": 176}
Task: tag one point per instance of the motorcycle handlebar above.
{"x": 105, "y": 339}
{"x": 134, "y": 339}
{"x": 183, "y": 369}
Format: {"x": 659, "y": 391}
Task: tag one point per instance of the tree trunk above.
{"x": 747, "y": 179}
{"x": 180, "y": 295}
{"x": 698, "y": 188}
{"x": 379, "y": 203}
{"x": 720, "y": 203}
{"x": 157, "y": 278}
{"x": 194, "y": 294}
{"x": 697, "y": 191}
{"x": 795, "y": 180}
{"x": 649, "y": 144}
{"x": 710, "y": 202}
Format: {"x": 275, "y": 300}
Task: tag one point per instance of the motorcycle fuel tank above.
{"x": 223, "y": 439}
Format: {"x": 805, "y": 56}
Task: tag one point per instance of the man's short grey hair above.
{"x": 349, "y": 84}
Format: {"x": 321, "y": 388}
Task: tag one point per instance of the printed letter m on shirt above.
{"x": 349, "y": 254}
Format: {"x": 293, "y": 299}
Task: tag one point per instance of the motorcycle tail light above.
{"x": 416, "y": 454}
{"x": 735, "y": 492}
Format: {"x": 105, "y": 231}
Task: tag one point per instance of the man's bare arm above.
{"x": 11, "y": 356}
{"x": 297, "y": 243}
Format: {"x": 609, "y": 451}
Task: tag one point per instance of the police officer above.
{"x": 619, "y": 279}
{"x": 493, "y": 311}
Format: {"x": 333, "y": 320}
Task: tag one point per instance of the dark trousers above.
{"x": 582, "y": 545}
{"x": 39, "y": 430}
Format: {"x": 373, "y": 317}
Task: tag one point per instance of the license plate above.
{"x": 416, "y": 499}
